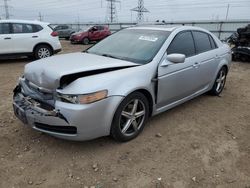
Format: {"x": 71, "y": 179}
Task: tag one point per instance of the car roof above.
{"x": 155, "y": 27}
{"x": 24, "y": 21}
{"x": 164, "y": 27}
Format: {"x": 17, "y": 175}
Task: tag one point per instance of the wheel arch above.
{"x": 226, "y": 67}
{"x": 43, "y": 43}
{"x": 148, "y": 95}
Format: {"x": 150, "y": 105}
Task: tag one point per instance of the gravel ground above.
{"x": 202, "y": 143}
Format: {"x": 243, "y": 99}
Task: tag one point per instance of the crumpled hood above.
{"x": 47, "y": 72}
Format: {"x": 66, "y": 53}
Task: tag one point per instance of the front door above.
{"x": 94, "y": 33}
{"x": 177, "y": 81}
{"x": 6, "y": 41}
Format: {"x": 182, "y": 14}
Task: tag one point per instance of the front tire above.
{"x": 220, "y": 82}
{"x": 42, "y": 51}
{"x": 85, "y": 41}
{"x": 130, "y": 117}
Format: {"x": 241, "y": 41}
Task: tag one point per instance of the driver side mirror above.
{"x": 173, "y": 58}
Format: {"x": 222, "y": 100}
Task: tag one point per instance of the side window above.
{"x": 4, "y": 28}
{"x": 213, "y": 44}
{"x": 95, "y": 28}
{"x": 22, "y": 28}
{"x": 65, "y": 27}
{"x": 202, "y": 42}
{"x": 58, "y": 28}
{"x": 100, "y": 28}
{"x": 183, "y": 43}
{"x": 37, "y": 28}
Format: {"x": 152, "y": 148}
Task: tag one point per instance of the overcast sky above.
{"x": 70, "y": 11}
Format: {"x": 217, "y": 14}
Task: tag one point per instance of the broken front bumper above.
{"x": 67, "y": 121}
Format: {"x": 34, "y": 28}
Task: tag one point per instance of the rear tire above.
{"x": 42, "y": 51}
{"x": 220, "y": 82}
{"x": 130, "y": 117}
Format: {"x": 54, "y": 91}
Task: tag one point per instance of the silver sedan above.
{"x": 116, "y": 85}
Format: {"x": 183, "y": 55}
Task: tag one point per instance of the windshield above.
{"x": 85, "y": 28}
{"x": 136, "y": 45}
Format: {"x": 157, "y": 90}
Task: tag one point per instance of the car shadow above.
{"x": 15, "y": 60}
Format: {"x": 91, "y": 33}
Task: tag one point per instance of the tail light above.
{"x": 54, "y": 34}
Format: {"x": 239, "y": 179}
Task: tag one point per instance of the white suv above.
{"x": 29, "y": 38}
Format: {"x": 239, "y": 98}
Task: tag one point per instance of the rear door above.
{"x": 208, "y": 59}
{"x": 177, "y": 81}
{"x": 25, "y": 36}
{"x": 6, "y": 41}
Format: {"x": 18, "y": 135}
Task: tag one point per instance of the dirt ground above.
{"x": 202, "y": 143}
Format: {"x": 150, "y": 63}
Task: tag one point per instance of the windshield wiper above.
{"x": 115, "y": 57}
{"x": 111, "y": 56}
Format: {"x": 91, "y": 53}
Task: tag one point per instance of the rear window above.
{"x": 4, "y": 28}
{"x": 202, "y": 42}
{"x": 213, "y": 44}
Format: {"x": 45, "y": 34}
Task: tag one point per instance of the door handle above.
{"x": 34, "y": 36}
{"x": 217, "y": 57}
{"x": 196, "y": 65}
{"x": 7, "y": 38}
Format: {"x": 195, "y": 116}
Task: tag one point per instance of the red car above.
{"x": 92, "y": 33}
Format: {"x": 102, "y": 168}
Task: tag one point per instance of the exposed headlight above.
{"x": 83, "y": 99}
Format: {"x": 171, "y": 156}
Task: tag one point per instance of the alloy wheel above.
{"x": 132, "y": 117}
{"x": 220, "y": 81}
{"x": 43, "y": 53}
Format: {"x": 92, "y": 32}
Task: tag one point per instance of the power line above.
{"x": 140, "y": 10}
{"x": 111, "y": 15}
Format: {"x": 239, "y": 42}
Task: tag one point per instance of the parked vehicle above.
{"x": 241, "y": 42}
{"x": 64, "y": 31}
{"x": 88, "y": 34}
{"x": 28, "y": 38}
{"x": 116, "y": 85}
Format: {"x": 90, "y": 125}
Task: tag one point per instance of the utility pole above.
{"x": 228, "y": 6}
{"x": 40, "y": 17}
{"x": 6, "y": 8}
{"x": 111, "y": 11}
{"x": 140, "y": 9}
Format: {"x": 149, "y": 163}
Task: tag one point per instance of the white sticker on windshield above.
{"x": 148, "y": 38}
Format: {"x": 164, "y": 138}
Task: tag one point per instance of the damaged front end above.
{"x": 35, "y": 106}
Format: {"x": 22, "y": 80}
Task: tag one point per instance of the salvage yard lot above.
{"x": 202, "y": 143}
